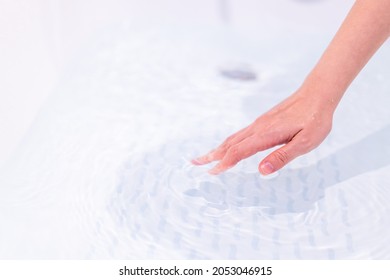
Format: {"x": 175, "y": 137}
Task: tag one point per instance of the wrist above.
{"x": 322, "y": 92}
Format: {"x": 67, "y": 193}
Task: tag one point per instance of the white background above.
{"x": 39, "y": 38}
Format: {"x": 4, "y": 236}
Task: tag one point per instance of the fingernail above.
{"x": 267, "y": 168}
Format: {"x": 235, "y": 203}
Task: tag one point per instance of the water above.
{"x": 104, "y": 171}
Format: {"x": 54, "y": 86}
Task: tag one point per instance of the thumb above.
{"x": 279, "y": 158}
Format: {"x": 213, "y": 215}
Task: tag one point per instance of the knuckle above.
{"x": 230, "y": 138}
{"x": 233, "y": 153}
{"x": 306, "y": 143}
{"x": 282, "y": 156}
{"x": 225, "y": 145}
{"x": 217, "y": 154}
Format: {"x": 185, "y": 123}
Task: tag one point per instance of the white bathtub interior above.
{"x": 103, "y": 171}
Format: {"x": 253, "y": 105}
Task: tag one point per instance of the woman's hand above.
{"x": 299, "y": 123}
{"x": 303, "y": 120}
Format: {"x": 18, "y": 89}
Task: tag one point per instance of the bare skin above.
{"x": 302, "y": 121}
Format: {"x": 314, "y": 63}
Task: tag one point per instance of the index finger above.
{"x": 220, "y": 151}
{"x": 242, "y": 150}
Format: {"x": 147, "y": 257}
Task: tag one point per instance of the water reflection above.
{"x": 163, "y": 200}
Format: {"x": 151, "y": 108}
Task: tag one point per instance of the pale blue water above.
{"x": 104, "y": 171}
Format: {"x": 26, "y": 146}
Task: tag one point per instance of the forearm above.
{"x": 364, "y": 30}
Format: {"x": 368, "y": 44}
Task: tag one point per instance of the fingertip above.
{"x": 219, "y": 168}
{"x": 196, "y": 162}
{"x": 201, "y": 160}
{"x": 214, "y": 171}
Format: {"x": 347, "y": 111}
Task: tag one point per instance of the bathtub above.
{"x": 109, "y": 101}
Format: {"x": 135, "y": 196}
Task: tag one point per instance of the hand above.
{"x": 300, "y": 122}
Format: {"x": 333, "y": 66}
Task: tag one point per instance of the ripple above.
{"x": 236, "y": 213}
